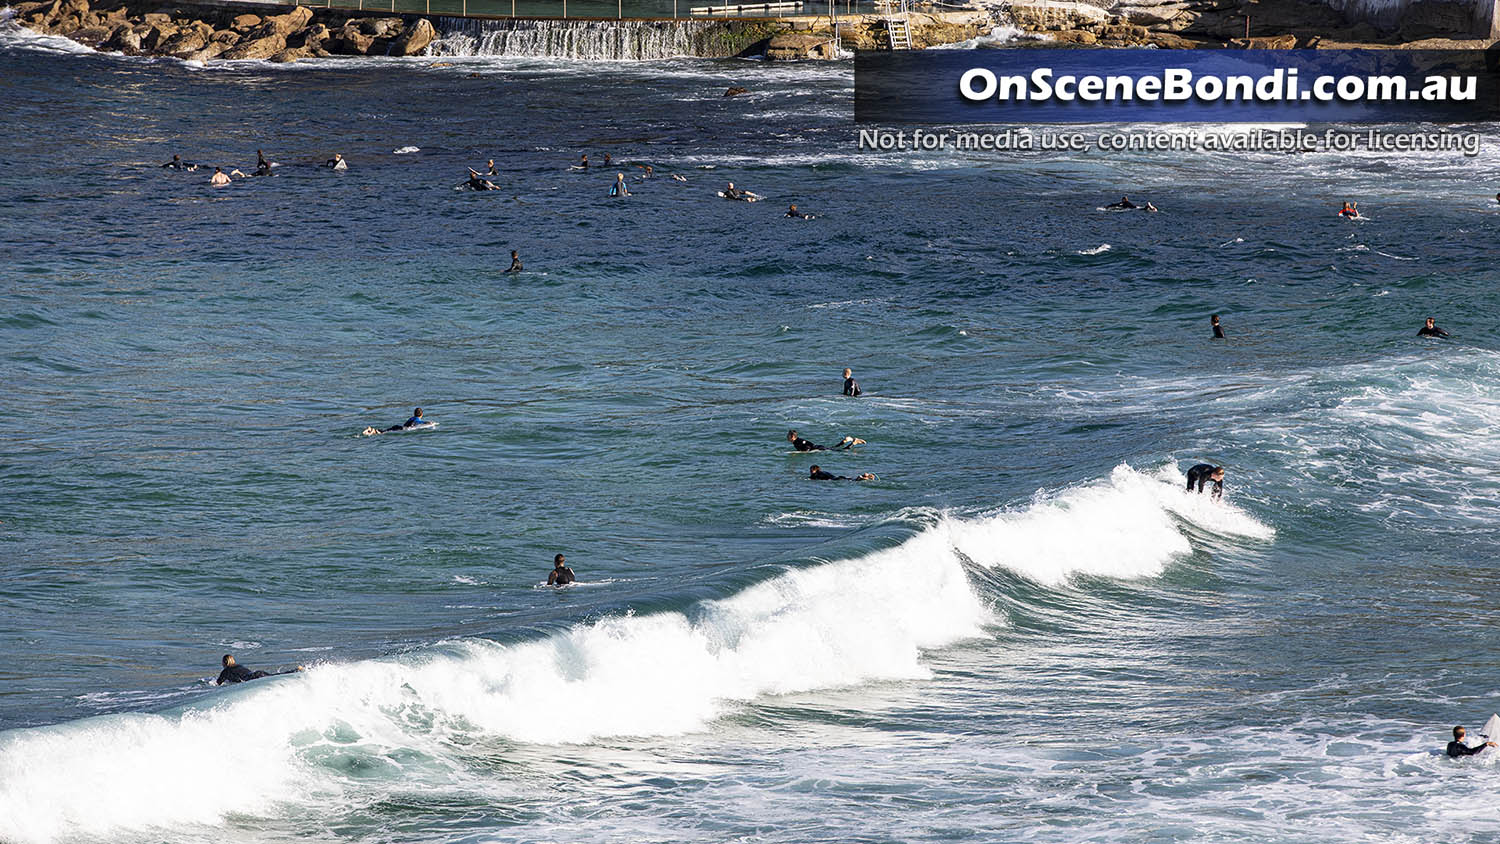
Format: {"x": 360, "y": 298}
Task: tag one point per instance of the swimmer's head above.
{"x": 1218, "y": 473}
{"x": 1458, "y": 733}
{"x": 416, "y": 412}
{"x": 1214, "y": 319}
{"x": 791, "y": 435}
{"x": 814, "y": 470}
{"x": 1430, "y": 322}
{"x": 847, "y": 371}
{"x": 228, "y": 660}
{"x": 558, "y": 561}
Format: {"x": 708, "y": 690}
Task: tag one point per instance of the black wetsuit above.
{"x": 1431, "y": 332}
{"x": 1124, "y": 203}
{"x": 1458, "y": 748}
{"x": 515, "y": 265}
{"x": 560, "y": 577}
{"x": 1219, "y": 332}
{"x": 240, "y": 674}
{"x": 1203, "y": 474}
{"x": 851, "y": 387}
{"x": 806, "y": 445}
{"x": 821, "y": 475}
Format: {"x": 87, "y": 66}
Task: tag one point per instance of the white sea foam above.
{"x": 1097, "y": 250}
{"x": 408, "y": 150}
{"x": 838, "y": 624}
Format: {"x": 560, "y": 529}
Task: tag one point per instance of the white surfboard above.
{"x": 1491, "y": 729}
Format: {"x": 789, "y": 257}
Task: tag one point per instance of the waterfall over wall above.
{"x": 589, "y": 39}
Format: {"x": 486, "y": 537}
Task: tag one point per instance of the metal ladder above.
{"x": 897, "y": 24}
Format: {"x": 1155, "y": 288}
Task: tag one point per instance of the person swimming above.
{"x": 1150, "y": 207}
{"x": 583, "y": 163}
{"x": 178, "y": 164}
{"x": 337, "y": 162}
{"x": 262, "y": 166}
{"x": 235, "y": 673}
{"x": 618, "y": 188}
{"x": 1458, "y": 747}
{"x": 219, "y": 179}
{"x": 731, "y": 192}
{"x": 492, "y": 171}
{"x": 515, "y": 262}
{"x": 816, "y": 473}
{"x": 1124, "y": 203}
{"x": 649, "y": 171}
{"x": 607, "y": 160}
{"x": 1348, "y": 210}
{"x": 560, "y": 575}
{"x": 1204, "y": 473}
{"x": 800, "y": 444}
{"x": 851, "y": 386}
{"x": 416, "y": 420}
{"x": 1430, "y": 329}
{"x": 478, "y": 182}
{"x": 795, "y": 214}
{"x": 1218, "y": 329}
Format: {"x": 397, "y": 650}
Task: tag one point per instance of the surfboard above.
{"x": 1491, "y": 729}
{"x": 372, "y": 430}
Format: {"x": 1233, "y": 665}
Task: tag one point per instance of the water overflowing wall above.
{"x": 592, "y": 39}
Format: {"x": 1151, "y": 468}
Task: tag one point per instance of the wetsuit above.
{"x": 851, "y": 387}
{"x": 337, "y": 164}
{"x": 821, "y": 475}
{"x": 477, "y": 183}
{"x": 175, "y": 164}
{"x": 1219, "y": 332}
{"x": 414, "y": 422}
{"x": 515, "y": 265}
{"x": 240, "y": 674}
{"x": 493, "y": 171}
{"x": 560, "y": 577}
{"x": 615, "y": 189}
{"x": 796, "y": 215}
{"x": 1124, "y": 203}
{"x": 1458, "y": 748}
{"x": 1203, "y": 474}
{"x": 1431, "y": 332}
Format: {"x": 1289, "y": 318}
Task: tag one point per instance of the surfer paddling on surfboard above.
{"x": 804, "y": 445}
{"x": 417, "y": 420}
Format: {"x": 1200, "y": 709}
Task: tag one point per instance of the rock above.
{"x": 1168, "y": 41}
{"x": 1266, "y": 42}
{"x": 290, "y": 55}
{"x": 91, "y": 36}
{"x": 1055, "y": 15}
{"x": 282, "y": 25}
{"x": 350, "y": 41}
{"x": 156, "y": 19}
{"x": 788, "y": 46}
{"x": 380, "y": 27}
{"x": 310, "y": 37}
{"x": 210, "y": 51}
{"x": 259, "y": 48}
{"x": 225, "y": 37}
{"x": 244, "y": 23}
{"x": 736, "y": 91}
{"x": 123, "y": 39}
{"x": 415, "y": 39}
{"x": 21, "y": 11}
{"x": 1152, "y": 15}
{"x": 1074, "y": 36}
{"x": 185, "y": 41}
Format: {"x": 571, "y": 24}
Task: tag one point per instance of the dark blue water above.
{"x": 1022, "y": 630}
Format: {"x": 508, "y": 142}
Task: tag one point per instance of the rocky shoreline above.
{"x": 204, "y": 33}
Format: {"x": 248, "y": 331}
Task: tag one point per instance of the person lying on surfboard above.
{"x": 416, "y": 420}
{"x": 816, "y": 473}
{"x": 805, "y": 445}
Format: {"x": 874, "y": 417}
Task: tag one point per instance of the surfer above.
{"x": 1150, "y": 207}
{"x": 492, "y": 171}
{"x": 851, "y": 386}
{"x": 262, "y": 166}
{"x": 1202, "y": 474}
{"x": 478, "y": 182}
{"x": 1458, "y": 747}
{"x": 1349, "y": 210}
{"x": 730, "y": 192}
{"x": 647, "y": 169}
{"x": 515, "y": 262}
{"x": 800, "y": 444}
{"x": 618, "y": 188}
{"x": 417, "y": 419}
{"x": 560, "y": 575}
{"x": 607, "y": 160}
{"x": 336, "y": 162}
{"x": 1430, "y": 329}
{"x": 219, "y": 179}
{"x": 235, "y": 673}
{"x": 795, "y": 214}
{"x": 1123, "y": 204}
{"x": 583, "y": 163}
{"x": 1218, "y": 329}
{"x": 178, "y": 164}
{"x": 816, "y": 473}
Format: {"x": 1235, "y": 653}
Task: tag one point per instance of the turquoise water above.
{"x": 1023, "y": 630}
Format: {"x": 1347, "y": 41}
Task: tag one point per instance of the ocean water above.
{"x": 1024, "y": 630}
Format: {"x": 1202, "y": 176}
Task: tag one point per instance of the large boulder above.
{"x": 210, "y": 51}
{"x": 290, "y": 54}
{"x": 1151, "y": 15}
{"x": 156, "y": 18}
{"x": 226, "y": 37}
{"x": 1046, "y": 15}
{"x": 1266, "y": 42}
{"x": 415, "y": 39}
{"x": 788, "y": 46}
{"x": 124, "y": 39}
{"x": 244, "y": 23}
{"x": 185, "y": 41}
{"x": 1168, "y": 41}
{"x": 1074, "y": 36}
{"x": 259, "y": 48}
{"x": 309, "y": 37}
{"x": 283, "y": 25}
{"x": 91, "y": 36}
{"x": 349, "y": 41}
{"x": 380, "y": 27}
